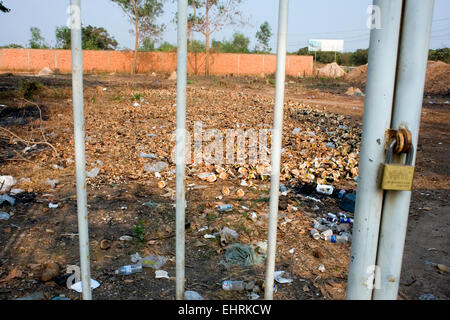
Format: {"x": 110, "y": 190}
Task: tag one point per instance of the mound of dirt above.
{"x": 331, "y": 70}
{"x": 358, "y": 74}
{"x": 438, "y": 78}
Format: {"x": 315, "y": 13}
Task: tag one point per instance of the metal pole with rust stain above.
{"x": 276, "y": 147}
{"x": 411, "y": 71}
{"x": 180, "y": 147}
{"x": 381, "y": 73}
{"x": 80, "y": 157}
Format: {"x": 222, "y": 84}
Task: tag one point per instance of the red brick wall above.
{"x": 34, "y": 60}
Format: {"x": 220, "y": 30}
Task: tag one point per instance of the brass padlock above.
{"x": 398, "y": 176}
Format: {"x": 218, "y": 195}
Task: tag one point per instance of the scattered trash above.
{"x": 126, "y": 238}
{"x": 33, "y": 296}
{"x": 243, "y": 255}
{"x": 129, "y": 269}
{"x": 192, "y": 295}
{"x": 348, "y": 202}
{"x": 325, "y": 235}
{"x": 278, "y": 277}
{"x": 253, "y": 296}
{"x": 17, "y": 191}
{"x": 157, "y": 167}
{"x": 224, "y": 207}
{"x": 314, "y": 234}
{"x": 283, "y": 190}
{"x": 261, "y": 247}
{"x": 154, "y": 261}
{"x": 78, "y": 287}
{"x": 161, "y": 274}
{"x": 354, "y": 92}
{"x": 296, "y": 131}
{"x": 4, "y": 216}
{"x": 61, "y": 297}
{"x": 93, "y": 172}
{"x": 321, "y": 268}
{"x": 5, "y": 197}
{"x": 53, "y": 205}
{"x": 230, "y": 285}
{"x": 427, "y": 296}
{"x": 209, "y": 236}
{"x": 136, "y": 104}
{"x": 228, "y": 236}
{"x": 325, "y": 189}
{"x": 147, "y": 155}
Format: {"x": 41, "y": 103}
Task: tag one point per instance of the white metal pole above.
{"x": 180, "y": 147}
{"x": 276, "y": 146}
{"x": 80, "y": 157}
{"x": 412, "y": 66}
{"x": 377, "y": 118}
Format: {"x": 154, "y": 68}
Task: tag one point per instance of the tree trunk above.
{"x": 207, "y": 39}
{"x": 136, "y": 46}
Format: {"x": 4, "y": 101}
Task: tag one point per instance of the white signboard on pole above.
{"x": 326, "y": 45}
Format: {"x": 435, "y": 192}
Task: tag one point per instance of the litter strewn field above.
{"x": 130, "y": 123}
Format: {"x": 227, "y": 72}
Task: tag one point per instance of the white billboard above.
{"x": 326, "y": 45}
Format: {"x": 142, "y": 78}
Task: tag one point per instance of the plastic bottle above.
{"x": 319, "y": 226}
{"x": 346, "y": 220}
{"x": 230, "y": 285}
{"x": 126, "y": 270}
{"x": 325, "y": 235}
{"x": 341, "y": 194}
{"x": 338, "y": 239}
{"x": 315, "y": 234}
{"x": 224, "y": 207}
{"x": 283, "y": 190}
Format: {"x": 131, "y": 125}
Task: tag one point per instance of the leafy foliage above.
{"x": 442, "y": 54}
{"x": 238, "y": 44}
{"x": 93, "y": 38}
{"x": 263, "y": 36}
{"x": 3, "y": 8}
{"x": 37, "y": 41}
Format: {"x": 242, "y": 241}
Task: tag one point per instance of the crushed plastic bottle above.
{"x": 230, "y": 285}
{"x": 224, "y": 207}
{"x": 126, "y": 270}
{"x": 320, "y": 227}
{"x": 315, "y": 234}
{"x": 346, "y": 220}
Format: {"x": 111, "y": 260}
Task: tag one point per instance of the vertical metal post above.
{"x": 412, "y": 66}
{"x": 180, "y": 147}
{"x": 377, "y": 118}
{"x": 80, "y": 157}
{"x": 276, "y": 146}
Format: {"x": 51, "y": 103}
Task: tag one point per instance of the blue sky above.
{"x": 326, "y": 19}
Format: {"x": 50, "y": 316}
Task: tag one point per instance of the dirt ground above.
{"x": 124, "y": 198}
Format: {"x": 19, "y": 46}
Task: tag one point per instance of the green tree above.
{"x": 167, "y": 47}
{"x": 442, "y": 54}
{"x": 238, "y": 44}
{"x": 93, "y": 38}
{"x": 147, "y": 45}
{"x": 359, "y": 57}
{"x": 37, "y": 41}
{"x": 3, "y": 8}
{"x": 196, "y": 46}
{"x": 263, "y": 36}
{"x": 142, "y": 13}
{"x": 12, "y": 45}
{"x": 217, "y": 14}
